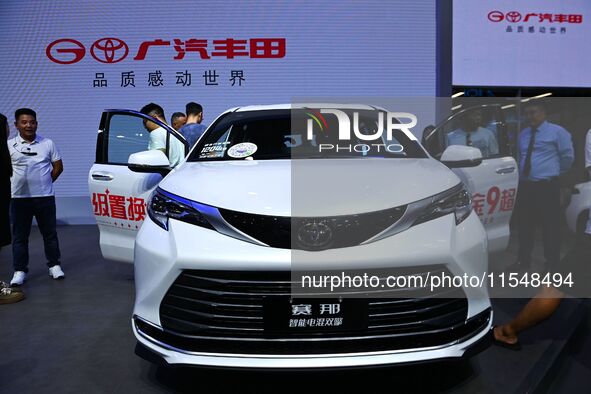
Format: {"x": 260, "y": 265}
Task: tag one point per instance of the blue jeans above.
{"x": 22, "y": 212}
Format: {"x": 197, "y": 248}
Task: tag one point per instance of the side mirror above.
{"x": 456, "y": 156}
{"x": 149, "y": 161}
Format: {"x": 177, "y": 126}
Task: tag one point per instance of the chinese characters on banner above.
{"x": 534, "y": 18}
{"x": 229, "y": 48}
{"x": 183, "y": 78}
{"x": 110, "y": 50}
{"x": 494, "y": 200}
{"x": 120, "y": 207}
{"x": 532, "y": 29}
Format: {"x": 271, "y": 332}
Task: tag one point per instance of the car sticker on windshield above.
{"x": 244, "y": 149}
{"x": 212, "y": 151}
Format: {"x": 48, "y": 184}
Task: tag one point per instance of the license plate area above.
{"x": 310, "y": 316}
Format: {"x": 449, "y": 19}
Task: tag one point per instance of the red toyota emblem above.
{"x": 513, "y": 16}
{"x": 109, "y": 50}
{"x": 72, "y": 47}
{"x": 496, "y": 16}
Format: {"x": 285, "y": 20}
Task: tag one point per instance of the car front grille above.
{"x": 326, "y": 232}
{"x": 223, "y": 311}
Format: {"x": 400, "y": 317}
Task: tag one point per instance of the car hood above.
{"x": 320, "y": 187}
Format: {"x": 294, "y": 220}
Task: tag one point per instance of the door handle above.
{"x": 505, "y": 170}
{"x": 98, "y": 176}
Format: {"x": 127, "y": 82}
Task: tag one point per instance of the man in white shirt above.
{"x": 158, "y": 135}
{"x": 36, "y": 164}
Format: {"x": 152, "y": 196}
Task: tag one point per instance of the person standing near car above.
{"x": 473, "y": 134}
{"x": 8, "y": 295}
{"x": 159, "y": 138}
{"x": 575, "y": 263}
{"x": 193, "y": 129}
{"x": 545, "y": 152}
{"x": 36, "y": 164}
{"x": 178, "y": 120}
{"x": 5, "y": 175}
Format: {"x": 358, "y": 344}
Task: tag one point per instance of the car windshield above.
{"x": 299, "y": 134}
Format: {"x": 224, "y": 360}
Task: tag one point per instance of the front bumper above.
{"x": 161, "y": 257}
{"x": 151, "y": 349}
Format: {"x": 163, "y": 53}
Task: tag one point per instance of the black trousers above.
{"x": 539, "y": 202}
{"x": 23, "y": 211}
{"x": 5, "y": 238}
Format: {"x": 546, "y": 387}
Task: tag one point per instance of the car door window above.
{"x": 125, "y": 133}
{"x": 477, "y": 128}
{"x": 481, "y": 127}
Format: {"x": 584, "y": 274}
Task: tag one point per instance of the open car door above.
{"x": 118, "y": 194}
{"x": 493, "y": 181}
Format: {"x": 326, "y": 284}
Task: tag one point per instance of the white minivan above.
{"x": 216, "y": 239}
{"x": 578, "y": 215}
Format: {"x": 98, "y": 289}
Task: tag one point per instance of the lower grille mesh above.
{"x": 224, "y": 311}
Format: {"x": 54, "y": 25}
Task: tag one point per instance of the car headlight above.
{"x": 164, "y": 206}
{"x": 457, "y": 200}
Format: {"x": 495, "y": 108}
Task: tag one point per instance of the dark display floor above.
{"x": 75, "y": 336}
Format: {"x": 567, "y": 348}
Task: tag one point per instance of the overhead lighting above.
{"x": 458, "y": 94}
{"x": 508, "y": 106}
{"x": 456, "y": 107}
{"x": 542, "y": 95}
{"x": 536, "y": 97}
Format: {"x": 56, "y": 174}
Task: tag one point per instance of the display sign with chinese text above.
{"x": 529, "y": 43}
{"x": 69, "y": 61}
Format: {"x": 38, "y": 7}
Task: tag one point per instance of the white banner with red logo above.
{"x": 543, "y": 43}
{"x": 71, "y": 60}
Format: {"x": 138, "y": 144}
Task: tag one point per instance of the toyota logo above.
{"x": 513, "y": 16}
{"x": 64, "y": 49}
{"x": 109, "y": 50}
{"x": 314, "y": 235}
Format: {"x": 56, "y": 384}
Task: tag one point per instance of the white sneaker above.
{"x": 56, "y": 272}
{"x": 18, "y": 278}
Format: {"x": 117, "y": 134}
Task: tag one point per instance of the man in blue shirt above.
{"x": 178, "y": 120}
{"x": 545, "y": 152}
{"x": 473, "y": 134}
{"x": 193, "y": 129}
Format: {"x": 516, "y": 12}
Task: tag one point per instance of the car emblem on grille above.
{"x": 312, "y": 234}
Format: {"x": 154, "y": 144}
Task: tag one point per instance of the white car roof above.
{"x": 301, "y": 105}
